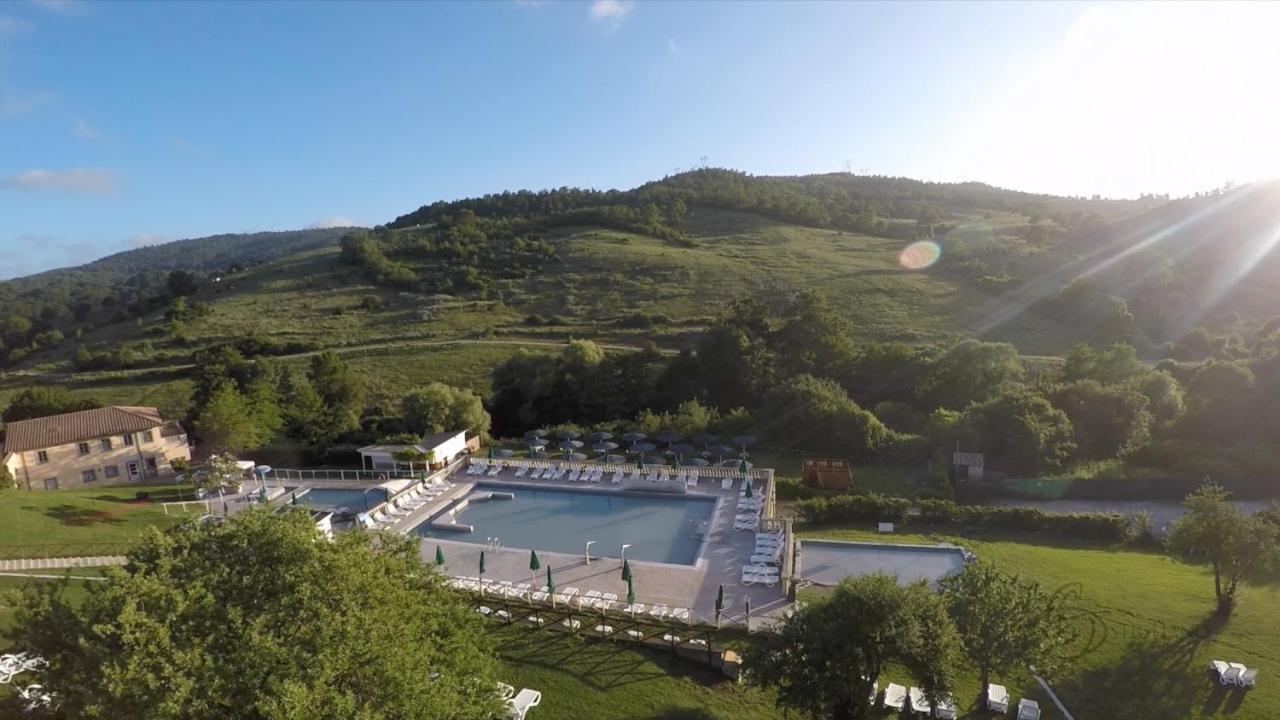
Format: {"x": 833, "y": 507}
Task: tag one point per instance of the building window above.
{"x": 51, "y": 483}
{"x": 147, "y": 436}
{"x": 84, "y": 448}
{"x": 42, "y": 456}
{"x": 111, "y": 471}
{"x": 105, "y": 443}
{"x": 152, "y": 470}
{"x": 88, "y": 476}
{"x": 128, "y": 439}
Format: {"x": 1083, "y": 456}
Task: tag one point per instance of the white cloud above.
{"x": 91, "y": 181}
{"x": 83, "y": 130}
{"x": 333, "y": 222}
{"x": 612, "y": 12}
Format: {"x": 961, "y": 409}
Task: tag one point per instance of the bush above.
{"x": 1107, "y": 527}
{"x": 937, "y": 512}
{"x": 853, "y": 508}
{"x": 792, "y": 489}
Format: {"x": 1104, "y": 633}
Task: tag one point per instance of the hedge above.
{"x": 1106, "y": 527}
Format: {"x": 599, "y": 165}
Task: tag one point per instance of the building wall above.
{"x": 451, "y": 448}
{"x": 67, "y": 464}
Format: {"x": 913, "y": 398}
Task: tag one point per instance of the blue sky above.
{"x": 125, "y": 124}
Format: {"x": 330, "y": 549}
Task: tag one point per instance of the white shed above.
{"x": 444, "y": 447}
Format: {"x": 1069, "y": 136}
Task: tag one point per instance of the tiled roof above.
{"x": 72, "y": 427}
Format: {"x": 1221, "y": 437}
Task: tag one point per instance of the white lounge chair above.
{"x": 590, "y": 600}
{"x": 505, "y": 691}
{"x": 945, "y": 709}
{"x": 919, "y": 703}
{"x": 660, "y": 611}
{"x": 1233, "y": 673}
{"x": 520, "y": 471}
{"x": 607, "y": 601}
{"x": 1248, "y": 678}
{"x": 572, "y": 623}
{"x": 682, "y": 614}
{"x": 726, "y": 484}
{"x": 998, "y": 698}
{"x": 634, "y": 608}
{"x": 875, "y": 693}
{"x": 542, "y": 595}
{"x": 1028, "y": 709}
{"x": 518, "y": 706}
{"x": 895, "y": 697}
{"x": 573, "y": 475}
{"x": 567, "y": 595}
{"x": 604, "y": 630}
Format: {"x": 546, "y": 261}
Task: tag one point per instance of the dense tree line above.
{"x": 793, "y": 375}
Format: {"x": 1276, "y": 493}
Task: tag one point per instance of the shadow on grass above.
{"x": 1156, "y": 676}
{"x": 600, "y": 664}
{"x": 81, "y": 517}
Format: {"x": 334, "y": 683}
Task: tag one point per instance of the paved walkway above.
{"x": 61, "y": 563}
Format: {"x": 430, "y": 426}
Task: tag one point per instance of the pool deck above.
{"x": 720, "y": 559}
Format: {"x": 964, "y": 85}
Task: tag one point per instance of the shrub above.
{"x": 937, "y": 512}
{"x": 792, "y": 489}
{"x": 853, "y": 508}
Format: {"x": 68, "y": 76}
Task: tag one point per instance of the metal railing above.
{"x": 60, "y": 550}
{"x": 281, "y": 475}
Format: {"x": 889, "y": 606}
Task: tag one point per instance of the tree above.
{"x": 340, "y": 389}
{"x": 1107, "y": 421}
{"x": 212, "y": 474}
{"x": 440, "y": 408}
{"x": 1020, "y": 430}
{"x": 818, "y": 415}
{"x": 226, "y": 423}
{"x": 824, "y": 658}
{"x": 182, "y": 283}
{"x": 1165, "y": 398}
{"x": 43, "y": 400}
{"x": 970, "y": 371}
{"x": 6, "y": 478}
{"x": 1221, "y": 402}
{"x": 1235, "y": 544}
{"x": 258, "y": 619}
{"x": 1110, "y": 366}
{"x": 1006, "y": 623}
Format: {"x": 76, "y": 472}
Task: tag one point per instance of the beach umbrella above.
{"x": 719, "y": 604}
{"x": 643, "y": 447}
{"x": 537, "y": 444}
{"x": 604, "y": 447}
{"x": 681, "y": 448}
{"x": 504, "y": 453}
{"x": 626, "y": 570}
{"x": 568, "y": 434}
{"x": 551, "y": 587}
{"x": 600, "y": 436}
{"x": 667, "y": 437}
{"x": 634, "y": 437}
{"x": 534, "y": 565}
{"x": 695, "y": 462}
{"x": 439, "y": 556}
{"x": 535, "y": 434}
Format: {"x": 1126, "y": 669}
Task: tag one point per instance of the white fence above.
{"x": 339, "y": 475}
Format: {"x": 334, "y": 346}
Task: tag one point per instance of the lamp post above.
{"x": 588, "y": 550}
{"x": 624, "y": 551}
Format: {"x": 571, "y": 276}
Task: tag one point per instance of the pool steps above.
{"x": 462, "y": 504}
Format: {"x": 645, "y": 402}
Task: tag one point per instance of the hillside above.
{"x": 658, "y": 263}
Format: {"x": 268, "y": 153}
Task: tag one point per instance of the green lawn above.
{"x": 79, "y": 522}
{"x": 603, "y": 680}
{"x": 1146, "y": 626}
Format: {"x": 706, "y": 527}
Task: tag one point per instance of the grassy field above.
{"x": 97, "y": 521}
{"x": 1147, "y": 631}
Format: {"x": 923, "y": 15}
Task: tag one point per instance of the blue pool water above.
{"x": 339, "y": 498}
{"x": 660, "y": 529}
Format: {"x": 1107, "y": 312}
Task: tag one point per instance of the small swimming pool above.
{"x": 827, "y": 562}
{"x": 660, "y": 529}
{"x": 350, "y": 499}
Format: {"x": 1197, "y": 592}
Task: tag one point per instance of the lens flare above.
{"x": 919, "y": 255}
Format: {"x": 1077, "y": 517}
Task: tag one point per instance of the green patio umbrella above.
{"x": 626, "y": 570}
{"x": 719, "y": 602}
{"x": 533, "y": 561}
{"x": 293, "y": 498}
{"x": 640, "y": 462}
{"x": 551, "y": 587}
{"x": 439, "y": 556}
{"x": 481, "y": 562}
{"x": 747, "y": 492}
{"x": 742, "y": 466}
{"x": 675, "y": 462}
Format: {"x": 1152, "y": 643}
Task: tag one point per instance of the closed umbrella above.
{"x": 551, "y": 587}
{"x": 719, "y": 604}
{"x": 746, "y": 491}
{"x": 744, "y": 466}
{"x": 482, "y": 573}
{"x": 534, "y": 565}
{"x": 675, "y": 462}
{"x": 439, "y": 556}
{"x": 626, "y": 570}
{"x": 293, "y": 498}
{"x": 490, "y": 452}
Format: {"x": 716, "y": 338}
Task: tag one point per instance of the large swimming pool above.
{"x": 350, "y": 499}
{"x": 660, "y": 529}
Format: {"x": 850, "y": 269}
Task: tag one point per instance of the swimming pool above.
{"x": 660, "y": 529}
{"x": 827, "y": 562}
{"x": 349, "y": 499}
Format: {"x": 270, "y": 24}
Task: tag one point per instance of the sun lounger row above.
{"x": 898, "y": 698}
{"x": 1237, "y": 674}
{"x": 481, "y": 467}
{"x": 401, "y": 507}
